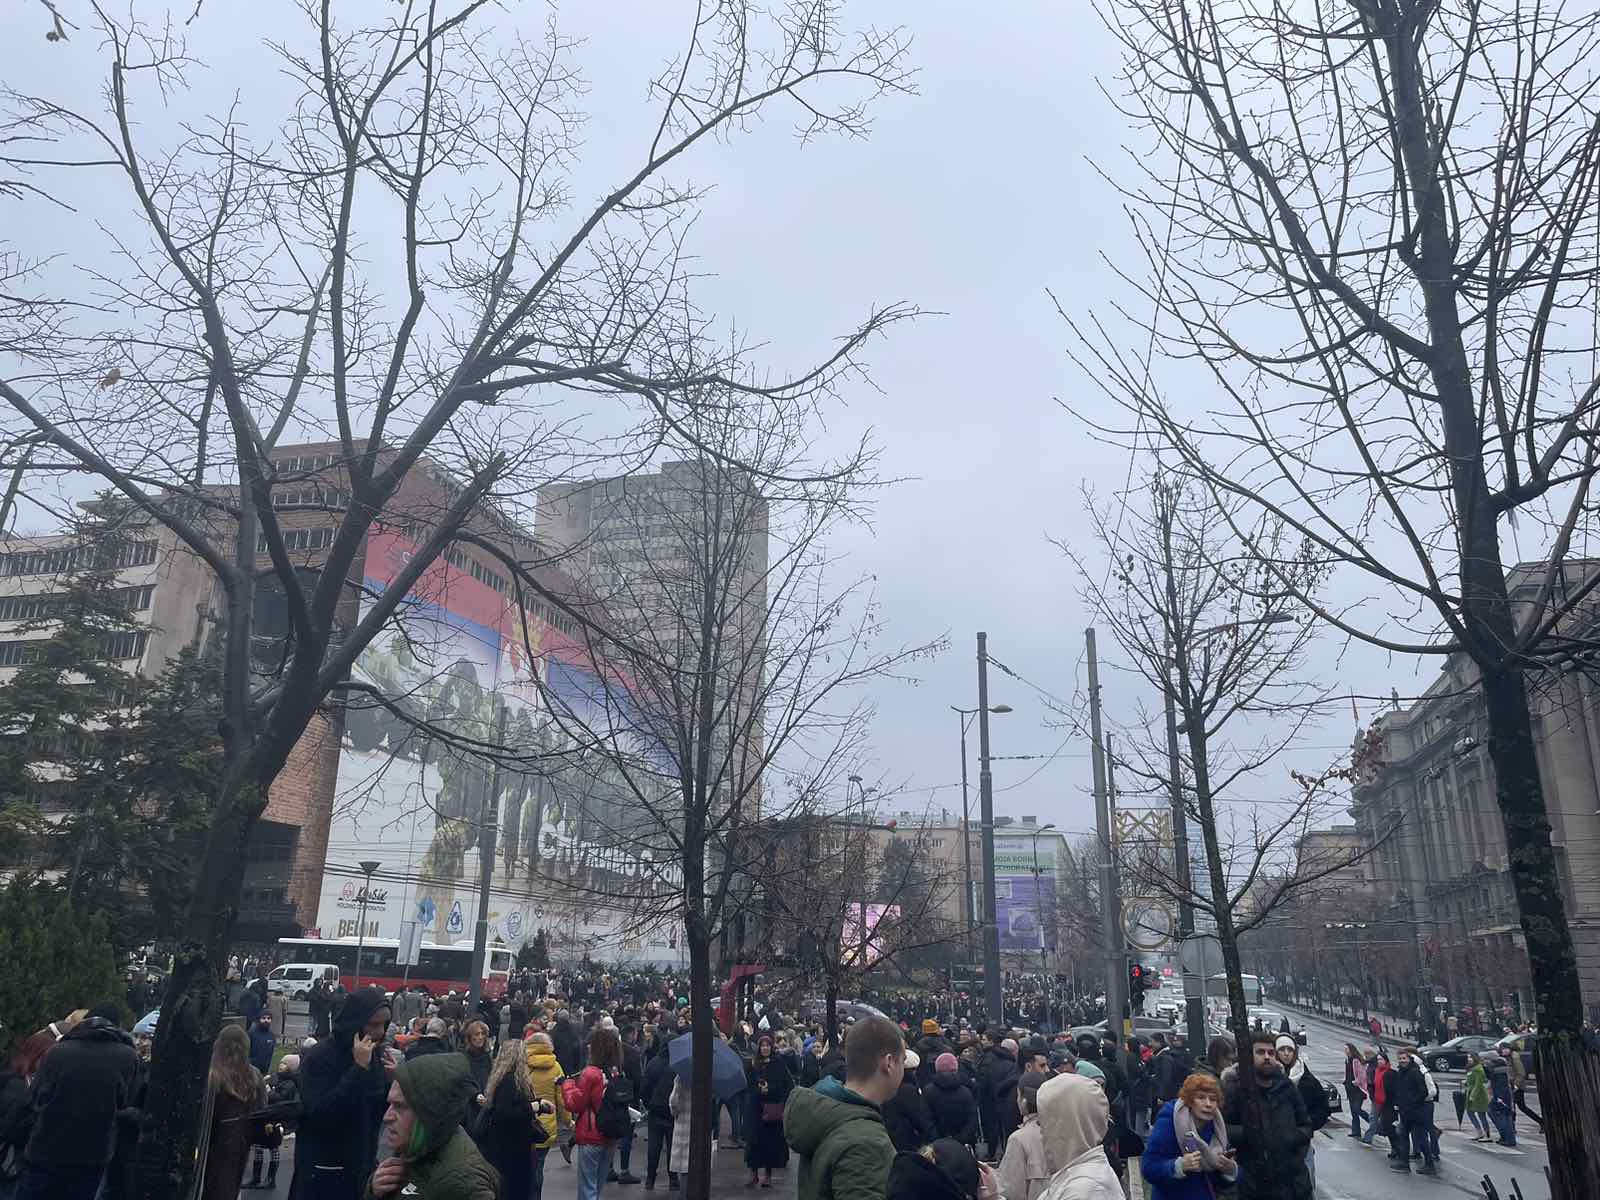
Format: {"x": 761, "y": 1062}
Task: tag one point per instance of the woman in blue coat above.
{"x": 1186, "y": 1156}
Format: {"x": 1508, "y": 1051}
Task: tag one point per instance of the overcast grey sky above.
{"x": 968, "y": 200}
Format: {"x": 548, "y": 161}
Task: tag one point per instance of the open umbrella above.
{"x": 727, "y": 1069}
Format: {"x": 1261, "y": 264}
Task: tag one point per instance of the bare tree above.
{"x": 246, "y": 304}
{"x": 854, "y": 897}
{"x": 724, "y": 665}
{"x": 1201, "y": 622}
{"x": 1380, "y": 256}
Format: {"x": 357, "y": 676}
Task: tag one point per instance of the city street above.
{"x": 1348, "y": 1170}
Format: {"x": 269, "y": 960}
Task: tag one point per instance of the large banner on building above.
{"x": 472, "y": 670}
{"x": 1025, "y": 890}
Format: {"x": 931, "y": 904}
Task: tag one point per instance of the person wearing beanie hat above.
{"x": 906, "y": 1113}
{"x": 929, "y": 1047}
{"x": 1312, "y": 1093}
{"x": 952, "y": 1101}
{"x": 1091, "y": 1070}
{"x": 1022, "y": 1173}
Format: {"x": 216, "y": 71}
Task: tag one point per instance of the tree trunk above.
{"x": 1569, "y": 1074}
{"x": 832, "y": 1001}
{"x": 192, "y": 1006}
{"x": 698, "y": 1180}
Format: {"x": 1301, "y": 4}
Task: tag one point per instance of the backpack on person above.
{"x": 612, "y": 1119}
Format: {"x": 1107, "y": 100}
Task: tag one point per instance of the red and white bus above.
{"x": 440, "y": 969}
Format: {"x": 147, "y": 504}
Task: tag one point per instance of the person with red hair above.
{"x": 1187, "y": 1156}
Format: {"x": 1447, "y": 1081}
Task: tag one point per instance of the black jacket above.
{"x": 909, "y": 1121}
{"x": 341, "y": 1109}
{"x": 1168, "y": 1070}
{"x": 568, "y": 1047}
{"x": 84, "y": 1081}
{"x": 1409, "y": 1092}
{"x": 1003, "y": 1077}
{"x": 1275, "y": 1167}
{"x": 954, "y": 1109}
{"x": 1315, "y": 1098}
{"x": 929, "y": 1049}
{"x": 426, "y": 1045}
{"x": 656, "y": 1091}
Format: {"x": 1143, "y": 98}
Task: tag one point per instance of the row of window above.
{"x": 301, "y": 539}
{"x": 311, "y": 495}
{"x": 477, "y": 570}
{"x": 44, "y": 606}
{"x": 64, "y": 560}
{"x": 113, "y": 647}
{"x": 305, "y": 462}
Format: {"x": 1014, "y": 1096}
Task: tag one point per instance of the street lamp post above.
{"x": 368, "y": 869}
{"x": 992, "y": 983}
{"x": 969, "y": 905}
{"x": 1361, "y": 959}
{"x": 1044, "y": 964}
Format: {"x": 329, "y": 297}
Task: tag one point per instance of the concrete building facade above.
{"x": 1443, "y": 875}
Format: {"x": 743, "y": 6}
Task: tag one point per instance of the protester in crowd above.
{"x": 837, "y": 1128}
{"x": 429, "y": 1152}
{"x": 906, "y": 1114}
{"x": 1475, "y": 1097}
{"x": 1187, "y": 1155}
{"x": 943, "y": 1170}
{"x": 1518, "y": 1074}
{"x": 1380, "y": 1093}
{"x": 1004, "y": 1073}
{"x": 283, "y": 1097}
{"x": 1074, "y": 1114}
{"x": 1220, "y": 1055}
{"x": 951, "y": 1102}
{"x": 583, "y": 1097}
{"x": 928, "y": 1048}
{"x": 1311, "y": 1091}
{"x": 263, "y": 1043}
{"x": 768, "y": 1087}
{"x": 633, "y": 1070}
{"x": 983, "y": 1083}
{"x": 1271, "y": 1156}
{"x": 1022, "y": 1173}
{"x": 480, "y": 1058}
{"x": 435, "y": 1039}
{"x": 344, "y": 1081}
{"x": 1414, "y": 1133}
{"x": 681, "y": 1102}
{"x": 509, "y": 1127}
{"x": 545, "y": 1074}
{"x": 1355, "y": 1086}
{"x": 233, "y": 1092}
{"x": 81, "y": 1084}
{"x": 656, "y": 1095}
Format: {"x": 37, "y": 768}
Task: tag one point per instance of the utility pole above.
{"x": 1110, "y": 918}
{"x": 1193, "y": 992}
{"x": 489, "y": 827}
{"x": 968, "y": 908}
{"x": 993, "y": 993}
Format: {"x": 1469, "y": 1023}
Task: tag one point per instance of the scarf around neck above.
{"x": 1188, "y": 1134}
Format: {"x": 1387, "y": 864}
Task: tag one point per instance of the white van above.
{"x": 295, "y": 979}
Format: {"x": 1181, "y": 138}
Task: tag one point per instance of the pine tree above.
{"x": 57, "y": 958}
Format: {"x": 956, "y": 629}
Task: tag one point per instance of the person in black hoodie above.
{"x": 944, "y": 1170}
{"x": 1004, "y": 1074}
{"x": 1409, "y": 1091}
{"x": 84, "y": 1081}
{"x": 656, "y": 1093}
{"x": 906, "y": 1113}
{"x": 950, "y": 1100}
{"x": 344, "y": 1088}
{"x": 928, "y": 1048}
{"x": 984, "y": 1091}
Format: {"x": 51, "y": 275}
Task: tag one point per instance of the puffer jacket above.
{"x": 546, "y": 1070}
{"x": 954, "y": 1108}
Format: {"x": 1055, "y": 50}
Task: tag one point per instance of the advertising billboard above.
{"x": 467, "y": 667}
{"x": 1025, "y": 899}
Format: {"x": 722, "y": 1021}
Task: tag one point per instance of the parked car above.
{"x": 1452, "y": 1055}
{"x": 295, "y": 979}
{"x": 1523, "y": 1043}
{"x": 1273, "y": 1020}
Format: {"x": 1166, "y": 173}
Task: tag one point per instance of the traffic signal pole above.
{"x": 1110, "y": 914}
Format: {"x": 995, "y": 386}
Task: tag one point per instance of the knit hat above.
{"x": 930, "y": 1027}
{"x": 946, "y": 1063}
{"x": 1089, "y": 1071}
{"x": 1285, "y": 1040}
{"x": 913, "y": 1060}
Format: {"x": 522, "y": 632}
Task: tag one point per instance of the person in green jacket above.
{"x": 836, "y": 1128}
{"x": 422, "y": 1133}
{"x": 1476, "y": 1088}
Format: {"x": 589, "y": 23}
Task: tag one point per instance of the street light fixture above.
{"x": 966, "y": 715}
{"x": 369, "y": 867}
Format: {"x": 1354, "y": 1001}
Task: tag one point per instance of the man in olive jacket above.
{"x": 837, "y": 1129}
{"x": 422, "y": 1130}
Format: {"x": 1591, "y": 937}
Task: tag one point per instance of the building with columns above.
{"x": 1442, "y": 877}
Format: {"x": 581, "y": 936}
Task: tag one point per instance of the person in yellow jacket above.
{"x": 546, "y": 1073}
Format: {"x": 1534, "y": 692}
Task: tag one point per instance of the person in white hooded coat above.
{"x": 1073, "y": 1116}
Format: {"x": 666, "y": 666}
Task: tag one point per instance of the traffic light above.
{"x": 1136, "y": 986}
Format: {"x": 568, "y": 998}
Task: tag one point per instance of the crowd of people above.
{"x": 391, "y": 1093}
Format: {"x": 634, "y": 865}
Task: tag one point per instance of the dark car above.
{"x": 1452, "y": 1055}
